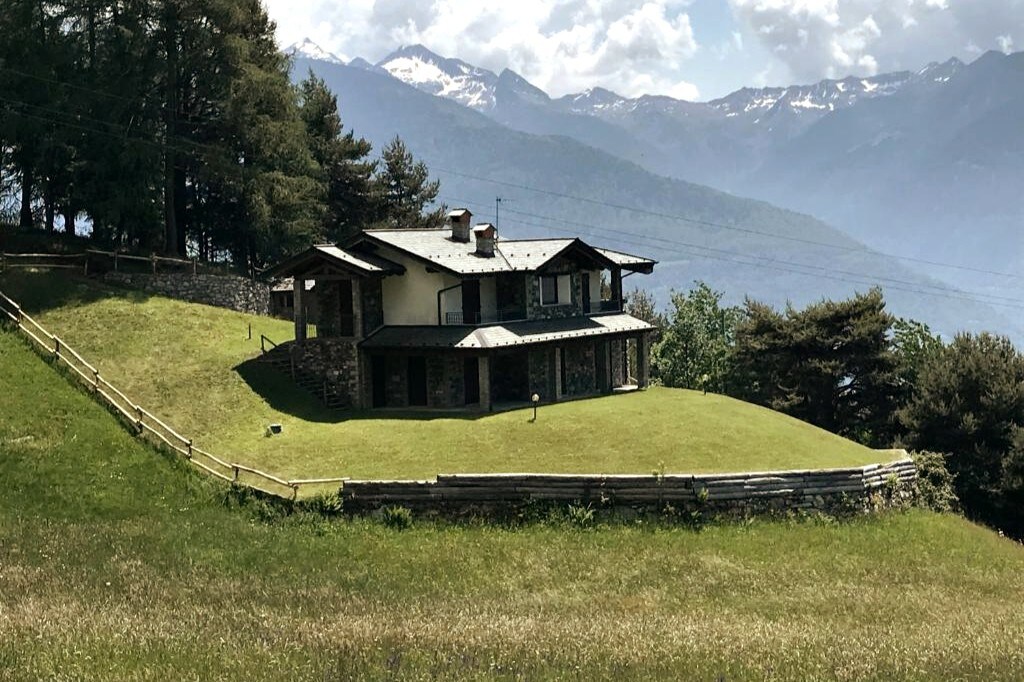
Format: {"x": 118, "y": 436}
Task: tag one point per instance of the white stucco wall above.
{"x": 412, "y": 298}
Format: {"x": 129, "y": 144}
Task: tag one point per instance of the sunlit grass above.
{"x": 186, "y": 363}
{"x": 118, "y": 563}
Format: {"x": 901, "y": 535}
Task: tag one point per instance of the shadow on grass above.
{"x": 37, "y": 291}
{"x": 277, "y": 389}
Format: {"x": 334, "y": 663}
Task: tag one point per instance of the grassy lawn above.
{"x": 119, "y": 564}
{"x": 192, "y": 365}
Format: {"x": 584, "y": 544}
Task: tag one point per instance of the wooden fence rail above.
{"x": 145, "y": 423}
{"x": 804, "y": 489}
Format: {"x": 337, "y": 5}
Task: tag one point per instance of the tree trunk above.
{"x": 27, "y": 180}
{"x": 69, "y": 220}
{"x": 49, "y": 209}
{"x": 171, "y": 237}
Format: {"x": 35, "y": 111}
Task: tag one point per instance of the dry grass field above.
{"x": 117, "y": 563}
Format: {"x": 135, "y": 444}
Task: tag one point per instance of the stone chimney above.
{"x": 486, "y": 235}
{"x": 459, "y": 219}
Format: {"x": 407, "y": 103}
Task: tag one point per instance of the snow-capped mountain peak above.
{"x": 417, "y": 66}
{"x": 307, "y": 49}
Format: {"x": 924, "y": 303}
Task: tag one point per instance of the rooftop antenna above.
{"x": 497, "y": 203}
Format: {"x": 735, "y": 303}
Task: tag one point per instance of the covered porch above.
{"x": 503, "y": 366}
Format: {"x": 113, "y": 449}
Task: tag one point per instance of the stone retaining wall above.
{"x": 742, "y": 494}
{"x": 224, "y": 291}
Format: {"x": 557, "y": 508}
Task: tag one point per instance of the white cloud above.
{"x": 561, "y": 46}
{"x": 834, "y": 38}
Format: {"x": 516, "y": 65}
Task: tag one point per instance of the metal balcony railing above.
{"x": 459, "y": 317}
{"x": 613, "y": 305}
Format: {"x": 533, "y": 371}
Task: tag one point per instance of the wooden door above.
{"x": 378, "y": 370}
{"x": 417, "y": 377}
{"x": 471, "y": 301}
{"x": 471, "y": 378}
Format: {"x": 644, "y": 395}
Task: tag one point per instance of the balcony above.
{"x": 613, "y": 305}
{"x": 459, "y": 317}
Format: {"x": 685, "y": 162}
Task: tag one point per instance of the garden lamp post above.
{"x": 536, "y": 399}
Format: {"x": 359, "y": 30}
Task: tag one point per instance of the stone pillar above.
{"x": 357, "y": 308}
{"x": 298, "y": 300}
{"x": 485, "y": 383}
{"x": 641, "y": 361}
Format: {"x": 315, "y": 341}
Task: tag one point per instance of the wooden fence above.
{"x": 794, "y": 489}
{"x": 144, "y": 422}
{"x": 87, "y": 261}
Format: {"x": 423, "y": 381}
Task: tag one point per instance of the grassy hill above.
{"x": 192, "y": 365}
{"x": 119, "y": 564}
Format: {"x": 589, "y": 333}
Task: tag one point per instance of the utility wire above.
{"x": 708, "y": 223}
{"x": 783, "y": 266}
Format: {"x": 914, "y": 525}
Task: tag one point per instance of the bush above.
{"x": 580, "y": 515}
{"x": 934, "y": 482}
{"x": 397, "y": 517}
{"x": 323, "y": 504}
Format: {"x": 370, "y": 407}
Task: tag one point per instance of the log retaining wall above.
{"x": 826, "y": 490}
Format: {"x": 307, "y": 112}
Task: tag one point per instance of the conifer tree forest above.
{"x": 173, "y": 126}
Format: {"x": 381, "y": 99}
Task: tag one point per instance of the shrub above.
{"x": 397, "y": 517}
{"x": 580, "y": 515}
{"x": 934, "y": 482}
{"x": 323, "y": 504}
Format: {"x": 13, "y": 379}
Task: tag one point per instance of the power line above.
{"x": 708, "y": 223}
{"x": 782, "y": 266}
{"x": 66, "y": 84}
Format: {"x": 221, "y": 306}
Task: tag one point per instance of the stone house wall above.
{"x": 335, "y": 360}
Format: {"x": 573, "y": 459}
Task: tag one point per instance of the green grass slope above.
{"x": 192, "y": 365}
{"x": 119, "y": 564}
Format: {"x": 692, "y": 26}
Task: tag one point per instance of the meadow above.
{"x": 194, "y": 366}
{"x": 119, "y": 563}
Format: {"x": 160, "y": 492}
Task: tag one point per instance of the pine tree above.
{"x": 404, "y": 190}
{"x": 830, "y": 364}
{"x": 342, "y": 157}
{"x": 969, "y": 403}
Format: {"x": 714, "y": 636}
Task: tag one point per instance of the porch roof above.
{"x": 346, "y": 259}
{"x": 506, "y": 335}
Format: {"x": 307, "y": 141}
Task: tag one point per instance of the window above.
{"x": 549, "y": 290}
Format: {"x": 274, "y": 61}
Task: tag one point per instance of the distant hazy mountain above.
{"x": 935, "y": 171}
{"x": 925, "y": 164}
{"x": 739, "y": 245}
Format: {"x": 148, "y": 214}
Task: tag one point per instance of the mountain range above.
{"x": 626, "y": 170}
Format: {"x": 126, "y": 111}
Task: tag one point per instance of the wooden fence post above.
{"x": 153, "y": 259}
{"x": 115, "y": 260}
{"x": 138, "y": 423}
{"x": 56, "y": 347}
{"x": 95, "y": 380}
{"x": 235, "y": 467}
{"x": 190, "y": 448}
{"x": 194, "y": 265}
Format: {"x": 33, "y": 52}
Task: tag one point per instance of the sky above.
{"x": 689, "y": 49}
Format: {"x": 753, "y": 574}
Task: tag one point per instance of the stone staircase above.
{"x": 280, "y": 358}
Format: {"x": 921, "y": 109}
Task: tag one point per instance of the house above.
{"x": 456, "y": 317}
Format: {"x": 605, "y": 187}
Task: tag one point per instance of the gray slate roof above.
{"x": 513, "y": 255}
{"x": 506, "y": 335}
{"x": 362, "y": 262}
